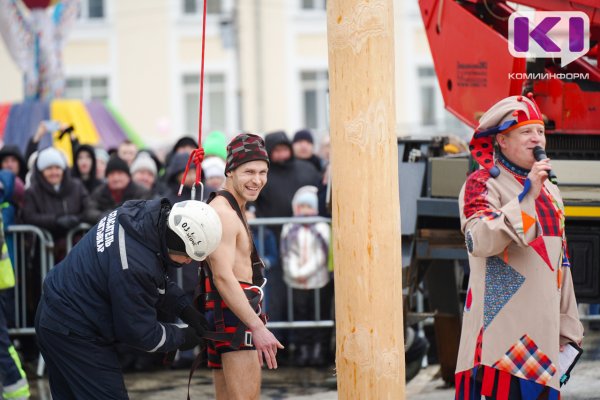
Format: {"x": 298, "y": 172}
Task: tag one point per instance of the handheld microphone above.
{"x": 539, "y": 154}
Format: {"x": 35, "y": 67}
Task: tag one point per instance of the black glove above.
{"x": 191, "y": 339}
{"x": 195, "y": 319}
{"x": 67, "y": 221}
{"x": 65, "y": 131}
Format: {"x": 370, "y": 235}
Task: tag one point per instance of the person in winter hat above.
{"x": 54, "y": 201}
{"x": 304, "y": 255}
{"x": 117, "y": 189}
{"x": 304, "y": 149}
{"x": 237, "y": 281}
{"x": 213, "y": 171}
{"x": 520, "y": 306}
{"x": 143, "y": 171}
{"x": 102, "y": 158}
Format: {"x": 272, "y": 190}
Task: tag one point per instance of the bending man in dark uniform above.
{"x": 109, "y": 288}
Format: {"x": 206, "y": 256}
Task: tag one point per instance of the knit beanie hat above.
{"x": 116, "y": 164}
{"x": 215, "y": 144}
{"x": 50, "y": 157}
{"x": 212, "y": 167}
{"x": 306, "y": 195}
{"x": 101, "y": 154}
{"x": 244, "y": 148}
{"x": 174, "y": 242}
{"x": 304, "y": 134}
{"x": 503, "y": 117}
{"x": 143, "y": 162}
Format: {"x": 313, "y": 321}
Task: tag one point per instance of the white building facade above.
{"x": 265, "y": 67}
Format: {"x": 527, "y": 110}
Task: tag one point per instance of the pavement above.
{"x": 311, "y": 383}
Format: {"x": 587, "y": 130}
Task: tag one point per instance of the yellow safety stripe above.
{"x": 582, "y": 211}
{"x": 19, "y": 389}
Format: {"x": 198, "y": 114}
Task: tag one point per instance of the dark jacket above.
{"x": 92, "y": 182}
{"x": 317, "y": 162}
{"x": 102, "y": 201}
{"x": 270, "y": 251}
{"x": 44, "y": 205}
{"x": 283, "y": 179}
{"x": 111, "y": 285}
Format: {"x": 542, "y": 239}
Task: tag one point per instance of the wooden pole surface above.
{"x": 366, "y": 204}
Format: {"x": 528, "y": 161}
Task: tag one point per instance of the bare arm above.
{"x": 221, "y": 265}
{"x": 222, "y": 261}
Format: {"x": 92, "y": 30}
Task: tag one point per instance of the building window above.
{"x": 313, "y": 4}
{"x": 92, "y": 9}
{"x": 87, "y": 88}
{"x": 433, "y": 116}
{"x": 193, "y": 7}
{"x": 315, "y": 92}
{"x": 214, "y": 102}
{"x": 427, "y": 91}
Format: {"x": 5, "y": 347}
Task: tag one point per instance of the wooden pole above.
{"x": 366, "y": 204}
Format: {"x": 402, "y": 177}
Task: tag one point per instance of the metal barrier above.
{"x": 27, "y": 242}
{"x": 30, "y": 241}
{"x": 82, "y": 227}
{"x": 261, "y": 224}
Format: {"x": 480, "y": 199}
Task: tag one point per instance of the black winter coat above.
{"x": 110, "y": 286}
{"x": 44, "y": 205}
{"x": 102, "y": 202}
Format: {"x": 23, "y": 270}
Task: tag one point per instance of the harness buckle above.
{"x": 248, "y": 339}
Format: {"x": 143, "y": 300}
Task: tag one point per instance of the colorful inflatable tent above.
{"x": 96, "y": 123}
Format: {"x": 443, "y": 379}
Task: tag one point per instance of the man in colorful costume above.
{"x": 520, "y": 307}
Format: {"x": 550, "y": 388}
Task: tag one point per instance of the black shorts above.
{"x": 215, "y": 349}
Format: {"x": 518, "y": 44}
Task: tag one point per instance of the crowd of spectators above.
{"x": 38, "y": 187}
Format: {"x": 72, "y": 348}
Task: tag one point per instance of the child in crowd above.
{"x": 304, "y": 253}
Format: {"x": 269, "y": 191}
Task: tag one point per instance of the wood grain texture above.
{"x": 366, "y": 204}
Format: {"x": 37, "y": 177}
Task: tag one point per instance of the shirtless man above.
{"x": 237, "y": 370}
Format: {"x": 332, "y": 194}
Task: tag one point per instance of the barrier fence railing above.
{"x": 32, "y": 251}
{"x": 81, "y": 228}
{"x": 33, "y": 247}
{"x": 261, "y": 224}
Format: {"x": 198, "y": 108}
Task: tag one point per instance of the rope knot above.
{"x": 196, "y": 156}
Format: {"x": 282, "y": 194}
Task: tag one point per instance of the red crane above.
{"x": 469, "y": 44}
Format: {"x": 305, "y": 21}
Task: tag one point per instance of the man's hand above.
{"x": 191, "y": 339}
{"x": 195, "y": 319}
{"x": 538, "y": 175}
{"x": 266, "y": 345}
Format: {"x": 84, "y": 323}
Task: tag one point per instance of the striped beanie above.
{"x": 244, "y": 148}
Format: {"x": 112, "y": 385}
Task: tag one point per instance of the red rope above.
{"x": 197, "y": 156}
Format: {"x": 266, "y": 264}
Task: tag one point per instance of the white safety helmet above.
{"x": 198, "y": 225}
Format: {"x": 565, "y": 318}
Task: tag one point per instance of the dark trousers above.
{"x": 78, "y": 367}
{"x": 304, "y": 310}
{"x": 8, "y": 369}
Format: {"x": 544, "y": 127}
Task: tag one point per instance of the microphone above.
{"x": 539, "y": 154}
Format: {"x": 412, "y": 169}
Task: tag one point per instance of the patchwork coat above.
{"x": 520, "y": 305}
